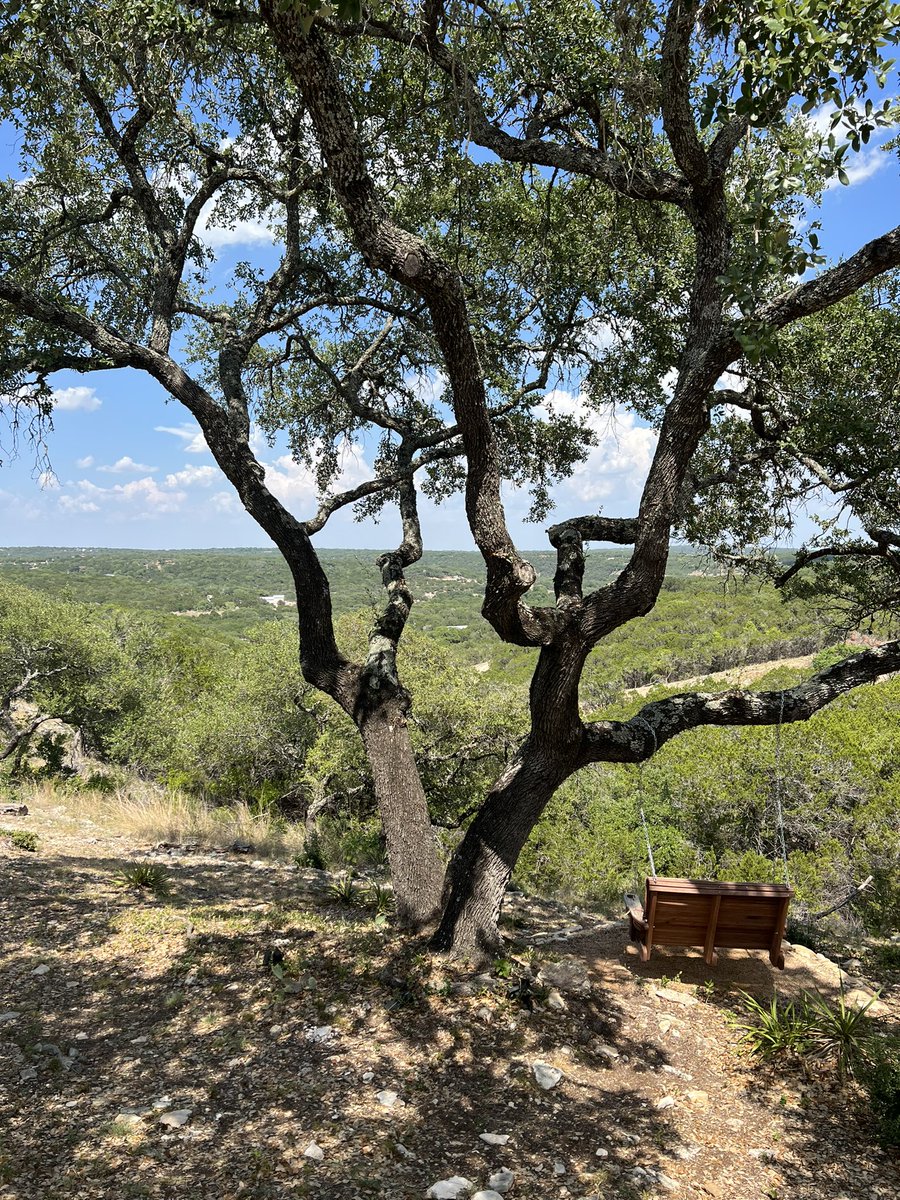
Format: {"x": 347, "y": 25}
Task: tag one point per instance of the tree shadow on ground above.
{"x": 153, "y": 1006}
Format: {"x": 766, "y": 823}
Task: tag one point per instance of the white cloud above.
{"x": 137, "y": 498}
{"x": 78, "y": 504}
{"x": 76, "y": 399}
{"x": 863, "y": 166}
{"x": 195, "y": 442}
{"x": 190, "y": 476}
{"x": 84, "y": 463}
{"x": 47, "y": 481}
{"x": 240, "y": 231}
{"x": 225, "y": 502}
{"x": 127, "y": 466}
{"x": 617, "y": 466}
{"x": 293, "y": 483}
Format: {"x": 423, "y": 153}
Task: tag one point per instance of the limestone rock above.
{"x": 450, "y": 1189}
{"x": 546, "y": 1076}
{"x": 174, "y": 1120}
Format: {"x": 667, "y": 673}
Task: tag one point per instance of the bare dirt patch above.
{"x": 155, "y": 1054}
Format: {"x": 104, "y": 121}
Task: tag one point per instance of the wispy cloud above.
{"x": 127, "y": 466}
{"x": 193, "y": 477}
{"x": 191, "y": 435}
{"x": 76, "y": 399}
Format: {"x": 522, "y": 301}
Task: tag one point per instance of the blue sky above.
{"x": 130, "y": 469}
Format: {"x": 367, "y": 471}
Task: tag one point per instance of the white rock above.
{"x": 665, "y": 1102}
{"x": 403, "y": 1151}
{"x": 8, "y": 1016}
{"x": 494, "y": 1139}
{"x": 175, "y": 1119}
{"x": 41, "y": 970}
{"x": 666, "y": 1181}
{"x": 138, "y": 1041}
{"x": 555, "y": 1001}
{"x": 487, "y": 1194}
{"x": 161, "y": 1103}
{"x": 602, "y": 1153}
{"x": 387, "y": 1098}
{"x": 675, "y": 997}
{"x": 320, "y": 1033}
{"x": 547, "y": 1077}
{"x": 127, "y": 1118}
{"x": 449, "y": 1189}
{"x": 502, "y": 1180}
{"x": 606, "y": 1051}
{"x": 368, "y": 1076}
{"x": 28, "y": 1073}
{"x": 559, "y": 1168}
{"x": 314, "y": 1151}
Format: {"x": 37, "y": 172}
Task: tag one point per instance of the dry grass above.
{"x": 151, "y": 814}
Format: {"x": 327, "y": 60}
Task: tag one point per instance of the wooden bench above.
{"x": 697, "y": 912}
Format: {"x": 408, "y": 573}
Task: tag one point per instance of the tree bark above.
{"x": 417, "y": 871}
{"x": 481, "y": 867}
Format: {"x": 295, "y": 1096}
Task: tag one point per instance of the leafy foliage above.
{"x": 21, "y": 839}
{"x": 150, "y": 877}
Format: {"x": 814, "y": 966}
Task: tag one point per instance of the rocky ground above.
{"x": 249, "y": 1036}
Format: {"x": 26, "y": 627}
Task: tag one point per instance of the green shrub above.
{"x": 21, "y": 839}
{"x": 879, "y": 1074}
{"x": 311, "y": 854}
{"x": 841, "y": 1032}
{"x": 888, "y": 957}
{"x": 779, "y": 1030}
{"x": 149, "y": 876}
{"x": 808, "y": 1029}
{"x": 343, "y": 890}
{"x": 379, "y": 899}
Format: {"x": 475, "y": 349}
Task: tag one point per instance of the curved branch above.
{"x": 871, "y": 260}
{"x": 886, "y": 546}
{"x": 636, "y": 183}
{"x": 407, "y": 259}
{"x": 640, "y": 737}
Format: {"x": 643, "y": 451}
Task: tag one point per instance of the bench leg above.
{"x": 709, "y": 950}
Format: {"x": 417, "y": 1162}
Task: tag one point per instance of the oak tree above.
{"x": 506, "y": 195}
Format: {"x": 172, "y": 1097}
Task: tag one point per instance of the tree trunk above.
{"x": 481, "y": 867}
{"x": 417, "y": 871}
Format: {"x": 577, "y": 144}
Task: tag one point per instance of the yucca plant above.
{"x": 777, "y": 1029}
{"x": 842, "y": 1032}
{"x": 343, "y": 890}
{"x": 380, "y": 899}
{"x": 149, "y": 876}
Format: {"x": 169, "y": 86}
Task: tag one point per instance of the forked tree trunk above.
{"x": 417, "y": 871}
{"x": 481, "y": 867}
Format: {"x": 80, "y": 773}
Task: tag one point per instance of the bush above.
{"x": 779, "y": 1030}
{"x": 21, "y": 839}
{"x": 879, "y": 1074}
{"x": 809, "y": 1028}
{"x": 149, "y": 876}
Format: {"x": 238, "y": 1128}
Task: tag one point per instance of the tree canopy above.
{"x": 493, "y": 199}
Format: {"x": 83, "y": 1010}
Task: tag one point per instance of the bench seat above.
{"x": 710, "y": 914}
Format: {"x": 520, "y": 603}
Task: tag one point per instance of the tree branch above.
{"x": 678, "y": 118}
{"x": 640, "y": 737}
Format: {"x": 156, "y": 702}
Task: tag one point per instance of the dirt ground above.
{"x": 147, "y": 1049}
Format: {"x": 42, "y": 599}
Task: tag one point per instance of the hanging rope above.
{"x": 649, "y": 847}
{"x": 779, "y": 811}
{"x": 644, "y": 721}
